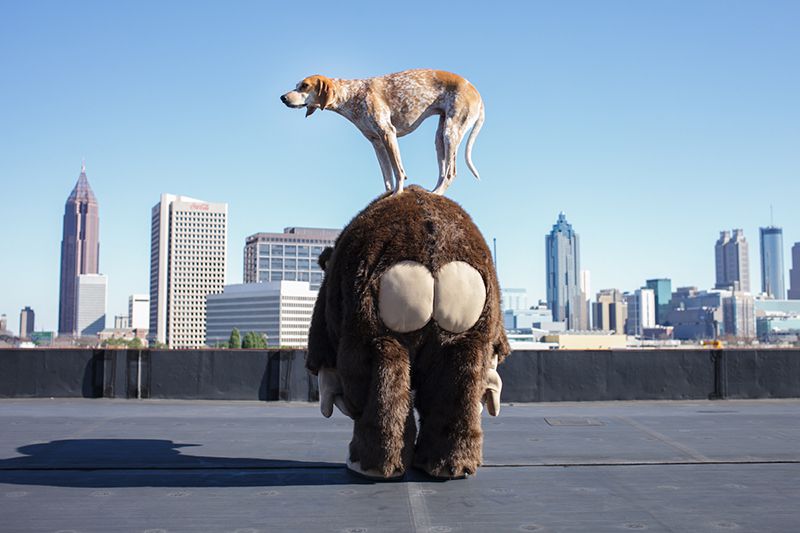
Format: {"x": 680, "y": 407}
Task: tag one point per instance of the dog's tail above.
{"x": 468, "y": 151}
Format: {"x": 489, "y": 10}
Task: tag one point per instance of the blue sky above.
{"x": 653, "y": 125}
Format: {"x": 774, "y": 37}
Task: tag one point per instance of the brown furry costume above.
{"x": 379, "y": 367}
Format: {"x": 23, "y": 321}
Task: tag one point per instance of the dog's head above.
{"x": 312, "y": 93}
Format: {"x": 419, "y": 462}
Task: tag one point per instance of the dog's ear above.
{"x": 324, "y": 257}
{"x": 324, "y": 89}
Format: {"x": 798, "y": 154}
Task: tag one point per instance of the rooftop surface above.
{"x": 171, "y": 466}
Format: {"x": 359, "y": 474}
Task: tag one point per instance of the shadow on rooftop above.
{"x": 117, "y": 463}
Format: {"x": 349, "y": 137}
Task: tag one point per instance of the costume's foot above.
{"x": 372, "y": 473}
{"x": 446, "y": 471}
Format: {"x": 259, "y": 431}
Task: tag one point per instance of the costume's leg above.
{"x": 384, "y": 430}
{"x": 450, "y": 384}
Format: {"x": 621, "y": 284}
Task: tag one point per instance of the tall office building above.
{"x": 80, "y": 249}
{"x": 187, "y": 263}
{"x": 772, "y": 283}
{"x": 794, "y": 273}
{"x": 732, "y": 260}
{"x": 610, "y": 311}
{"x": 90, "y": 297}
{"x": 3, "y": 324}
{"x": 289, "y": 256}
{"x": 139, "y": 311}
{"x": 26, "y": 323}
{"x": 562, "y": 249}
{"x": 281, "y": 310}
{"x": 662, "y": 288}
{"x": 641, "y": 311}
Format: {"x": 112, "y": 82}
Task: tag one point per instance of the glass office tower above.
{"x": 772, "y": 282}
{"x": 563, "y": 273}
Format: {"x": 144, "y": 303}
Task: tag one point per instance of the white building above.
{"x": 189, "y": 239}
{"x": 289, "y": 256}
{"x": 279, "y": 309}
{"x": 139, "y": 311}
{"x": 514, "y": 299}
{"x": 641, "y": 311}
{"x": 90, "y": 302}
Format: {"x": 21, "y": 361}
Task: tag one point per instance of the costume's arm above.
{"x": 321, "y": 352}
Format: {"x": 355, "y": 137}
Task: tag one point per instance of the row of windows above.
{"x": 290, "y": 250}
{"x": 193, "y": 215}
{"x": 313, "y": 277}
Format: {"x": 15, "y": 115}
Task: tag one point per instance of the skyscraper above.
{"x": 187, "y": 263}
{"x": 732, "y": 261}
{"x": 662, "y": 287}
{"x": 80, "y": 249}
{"x": 26, "y": 323}
{"x": 794, "y": 273}
{"x": 289, "y": 256}
{"x": 562, "y": 249}
{"x": 772, "y": 282}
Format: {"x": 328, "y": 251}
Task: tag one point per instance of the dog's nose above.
{"x": 283, "y": 98}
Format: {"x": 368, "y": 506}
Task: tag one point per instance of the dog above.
{"x": 387, "y": 107}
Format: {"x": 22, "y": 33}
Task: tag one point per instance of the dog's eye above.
{"x": 303, "y": 86}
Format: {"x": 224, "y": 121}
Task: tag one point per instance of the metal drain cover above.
{"x": 573, "y": 421}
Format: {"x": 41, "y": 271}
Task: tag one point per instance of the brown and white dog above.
{"x": 387, "y": 107}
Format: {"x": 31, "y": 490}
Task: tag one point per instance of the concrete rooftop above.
{"x": 171, "y": 466}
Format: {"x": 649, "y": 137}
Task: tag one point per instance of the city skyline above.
{"x": 642, "y": 106}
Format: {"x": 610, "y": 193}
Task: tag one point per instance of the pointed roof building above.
{"x": 80, "y": 249}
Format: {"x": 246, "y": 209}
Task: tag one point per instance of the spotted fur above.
{"x": 387, "y": 107}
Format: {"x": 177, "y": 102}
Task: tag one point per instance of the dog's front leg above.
{"x": 393, "y": 149}
{"x": 385, "y": 162}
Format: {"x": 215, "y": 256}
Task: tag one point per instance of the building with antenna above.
{"x": 80, "y": 250}
{"x": 772, "y": 280}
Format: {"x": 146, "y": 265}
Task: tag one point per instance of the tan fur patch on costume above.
{"x": 405, "y": 301}
{"x": 459, "y": 297}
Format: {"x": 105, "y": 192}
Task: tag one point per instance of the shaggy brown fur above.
{"x": 379, "y": 367}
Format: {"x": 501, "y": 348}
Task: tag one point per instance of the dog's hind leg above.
{"x": 453, "y": 133}
{"x": 440, "y": 158}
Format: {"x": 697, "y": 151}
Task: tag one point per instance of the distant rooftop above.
{"x": 296, "y": 232}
